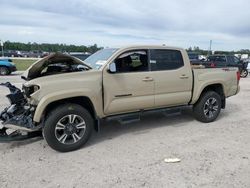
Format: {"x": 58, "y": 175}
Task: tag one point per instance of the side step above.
{"x": 171, "y": 112}
{"x": 136, "y": 116}
{"x": 126, "y": 118}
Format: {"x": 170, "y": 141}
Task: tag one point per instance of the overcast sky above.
{"x": 112, "y": 23}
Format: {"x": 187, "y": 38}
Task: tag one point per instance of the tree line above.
{"x": 45, "y": 47}
{"x": 196, "y": 49}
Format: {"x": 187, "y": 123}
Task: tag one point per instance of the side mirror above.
{"x": 80, "y": 67}
{"x": 112, "y": 67}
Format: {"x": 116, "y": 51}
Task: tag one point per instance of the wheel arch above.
{"x": 218, "y": 88}
{"x": 83, "y": 101}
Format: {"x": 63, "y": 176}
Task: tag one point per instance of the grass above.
{"x": 23, "y": 64}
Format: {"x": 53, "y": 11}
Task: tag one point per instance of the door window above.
{"x": 132, "y": 61}
{"x": 165, "y": 60}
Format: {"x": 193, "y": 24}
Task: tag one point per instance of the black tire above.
{"x": 52, "y": 129}
{"x": 201, "y": 107}
{"x": 244, "y": 73}
{"x": 4, "y": 71}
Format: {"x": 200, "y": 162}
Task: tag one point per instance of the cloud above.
{"x": 114, "y": 23}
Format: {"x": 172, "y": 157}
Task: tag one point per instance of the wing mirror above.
{"x": 80, "y": 67}
{"x": 112, "y": 67}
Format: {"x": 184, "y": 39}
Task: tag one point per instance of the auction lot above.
{"x": 132, "y": 155}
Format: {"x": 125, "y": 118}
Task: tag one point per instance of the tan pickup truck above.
{"x": 67, "y": 98}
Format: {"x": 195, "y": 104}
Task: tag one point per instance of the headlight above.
{"x": 30, "y": 90}
{"x": 36, "y": 88}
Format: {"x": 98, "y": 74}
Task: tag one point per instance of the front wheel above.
{"x": 68, "y": 127}
{"x": 244, "y": 73}
{"x": 4, "y": 71}
{"x": 208, "y": 107}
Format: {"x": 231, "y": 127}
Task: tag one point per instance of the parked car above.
{"x": 34, "y": 54}
{"x": 223, "y": 61}
{"x": 11, "y": 53}
{"x": 7, "y": 66}
{"x": 216, "y": 61}
{"x": 193, "y": 56}
{"x": 68, "y": 103}
{"x": 80, "y": 55}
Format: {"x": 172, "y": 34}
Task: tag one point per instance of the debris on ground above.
{"x": 172, "y": 160}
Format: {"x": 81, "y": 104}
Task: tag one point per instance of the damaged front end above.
{"x": 17, "y": 119}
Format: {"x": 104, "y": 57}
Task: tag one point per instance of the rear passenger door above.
{"x": 173, "y": 78}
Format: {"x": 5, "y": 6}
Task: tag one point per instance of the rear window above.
{"x": 165, "y": 59}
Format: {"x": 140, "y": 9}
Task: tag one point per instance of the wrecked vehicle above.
{"x": 66, "y": 98}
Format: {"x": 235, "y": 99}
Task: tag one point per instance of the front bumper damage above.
{"x": 17, "y": 119}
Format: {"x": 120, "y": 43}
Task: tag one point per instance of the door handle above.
{"x": 184, "y": 76}
{"x": 147, "y": 79}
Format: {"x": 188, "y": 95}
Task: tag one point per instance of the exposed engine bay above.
{"x": 56, "y": 63}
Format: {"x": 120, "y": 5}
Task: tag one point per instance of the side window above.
{"x": 211, "y": 58}
{"x": 165, "y": 59}
{"x": 232, "y": 60}
{"x": 236, "y": 60}
{"x": 220, "y": 58}
{"x": 132, "y": 61}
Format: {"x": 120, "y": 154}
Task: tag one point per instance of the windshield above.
{"x": 100, "y": 57}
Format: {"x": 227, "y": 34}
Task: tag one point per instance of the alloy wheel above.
{"x": 70, "y": 129}
{"x": 210, "y": 107}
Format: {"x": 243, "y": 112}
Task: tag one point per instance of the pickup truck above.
{"x": 224, "y": 61}
{"x": 67, "y": 98}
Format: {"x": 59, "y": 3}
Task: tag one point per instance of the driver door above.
{"x": 131, "y": 87}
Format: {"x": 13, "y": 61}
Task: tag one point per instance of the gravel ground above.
{"x": 212, "y": 155}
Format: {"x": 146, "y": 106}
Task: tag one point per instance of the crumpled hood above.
{"x": 35, "y": 69}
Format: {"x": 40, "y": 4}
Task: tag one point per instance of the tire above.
{"x": 244, "y": 73}
{"x": 4, "y": 71}
{"x": 68, "y": 127}
{"x": 208, "y": 107}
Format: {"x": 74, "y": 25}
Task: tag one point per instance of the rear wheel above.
{"x": 68, "y": 127}
{"x": 4, "y": 71}
{"x": 208, "y": 107}
{"x": 244, "y": 73}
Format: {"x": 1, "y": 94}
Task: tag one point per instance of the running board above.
{"x": 136, "y": 116}
{"x": 171, "y": 112}
{"x": 126, "y": 118}
{"x": 129, "y": 119}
